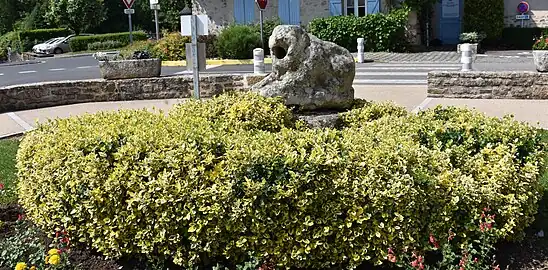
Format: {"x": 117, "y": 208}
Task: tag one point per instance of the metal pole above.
{"x": 156, "y": 23}
{"x": 195, "y": 71}
{"x": 130, "y": 29}
{"x": 261, "y": 21}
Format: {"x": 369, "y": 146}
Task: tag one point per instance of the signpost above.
{"x": 523, "y": 7}
{"x": 155, "y": 6}
{"x": 129, "y": 11}
{"x": 194, "y": 25}
{"x": 262, "y": 6}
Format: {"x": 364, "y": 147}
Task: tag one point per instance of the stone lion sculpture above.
{"x": 307, "y": 72}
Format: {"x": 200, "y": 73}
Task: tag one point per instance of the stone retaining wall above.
{"x": 39, "y": 95}
{"x": 496, "y": 85}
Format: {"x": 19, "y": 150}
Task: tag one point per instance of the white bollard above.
{"x": 466, "y": 58}
{"x": 361, "y": 49}
{"x": 258, "y": 61}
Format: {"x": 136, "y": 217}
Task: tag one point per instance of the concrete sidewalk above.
{"x": 413, "y": 98}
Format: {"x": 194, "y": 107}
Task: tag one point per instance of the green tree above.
{"x": 77, "y": 15}
{"x": 8, "y": 15}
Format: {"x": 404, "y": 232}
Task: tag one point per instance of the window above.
{"x": 356, "y": 6}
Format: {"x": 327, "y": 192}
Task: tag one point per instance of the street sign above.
{"x": 261, "y": 3}
{"x": 523, "y": 17}
{"x": 129, "y": 11}
{"x": 128, "y": 3}
{"x": 523, "y": 7}
{"x": 202, "y": 25}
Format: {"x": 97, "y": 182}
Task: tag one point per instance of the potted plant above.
{"x": 540, "y": 53}
{"x": 140, "y": 64}
{"x": 473, "y": 38}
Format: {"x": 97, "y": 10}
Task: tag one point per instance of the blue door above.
{"x": 289, "y": 11}
{"x": 450, "y": 20}
{"x": 244, "y": 11}
{"x": 373, "y": 6}
{"x": 335, "y": 7}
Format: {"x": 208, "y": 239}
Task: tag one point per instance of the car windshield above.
{"x": 52, "y": 40}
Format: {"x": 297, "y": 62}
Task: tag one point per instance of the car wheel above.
{"x": 58, "y": 51}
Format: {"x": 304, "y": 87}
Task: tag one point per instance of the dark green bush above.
{"x": 29, "y": 38}
{"x": 268, "y": 28}
{"x": 81, "y": 43}
{"x": 382, "y": 32}
{"x": 105, "y": 45}
{"x": 520, "y": 38}
{"x": 230, "y": 178}
{"x": 10, "y": 39}
{"x": 485, "y": 16}
{"x": 238, "y": 42}
{"x": 211, "y": 45}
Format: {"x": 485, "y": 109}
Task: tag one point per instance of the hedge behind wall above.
{"x": 485, "y": 16}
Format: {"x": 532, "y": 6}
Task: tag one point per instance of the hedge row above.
{"x": 382, "y": 32}
{"x": 23, "y": 41}
{"x": 30, "y": 38}
{"x": 234, "y": 176}
{"x": 485, "y": 16}
{"x": 81, "y": 43}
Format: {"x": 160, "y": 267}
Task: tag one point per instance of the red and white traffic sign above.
{"x": 128, "y": 3}
{"x": 261, "y": 3}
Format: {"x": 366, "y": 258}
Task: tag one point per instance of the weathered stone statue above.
{"x": 308, "y": 72}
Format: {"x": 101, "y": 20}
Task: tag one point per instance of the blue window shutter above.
{"x": 283, "y": 11}
{"x": 295, "y": 12}
{"x": 239, "y": 11}
{"x": 373, "y": 6}
{"x": 249, "y": 11}
{"x": 335, "y": 7}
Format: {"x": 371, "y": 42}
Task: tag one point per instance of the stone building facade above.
{"x": 224, "y": 12}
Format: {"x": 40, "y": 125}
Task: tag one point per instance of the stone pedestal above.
{"x": 540, "y": 58}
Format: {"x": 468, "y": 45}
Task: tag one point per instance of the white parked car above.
{"x": 41, "y": 46}
{"x": 58, "y": 45}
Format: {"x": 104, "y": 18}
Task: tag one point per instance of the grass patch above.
{"x": 8, "y": 150}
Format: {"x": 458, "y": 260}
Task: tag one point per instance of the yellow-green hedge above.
{"x": 220, "y": 179}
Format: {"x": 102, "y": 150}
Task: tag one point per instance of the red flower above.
{"x": 420, "y": 259}
{"x": 476, "y": 260}
{"x": 451, "y": 235}
{"x": 1, "y": 186}
{"x": 496, "y": 267}
{"x": 421, "y": 266}
{"x": 482, "y": 227}
{"x": 414, "y": 263}
{"x": 434, "y": 242}
{"x": 20, "y": 216}
{"x": 392, "y": 258}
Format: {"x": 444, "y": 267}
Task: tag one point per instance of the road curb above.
{"x": 20, "y": 63}
{"x": 220, "y": 62}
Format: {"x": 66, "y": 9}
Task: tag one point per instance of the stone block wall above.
{"x": 39, "y": 95}
{"x": 488, "y": 85}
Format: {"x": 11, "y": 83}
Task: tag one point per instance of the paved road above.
{"x": 56, "y": 69}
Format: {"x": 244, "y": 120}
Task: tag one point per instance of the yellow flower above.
{"x": 53, "y": 251}
{"x": 33, "y": 268}
{"x": 54, "y": 259}
{"x": 21, "y": 266}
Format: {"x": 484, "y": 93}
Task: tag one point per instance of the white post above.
{"x": 258, "y": 61}
{"x": 9, "y": 54}
{"x": 361, "y": 50}
{"x": 466, "y": 58}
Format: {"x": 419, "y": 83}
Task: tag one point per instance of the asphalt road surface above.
{"x": 78, "y": 68}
